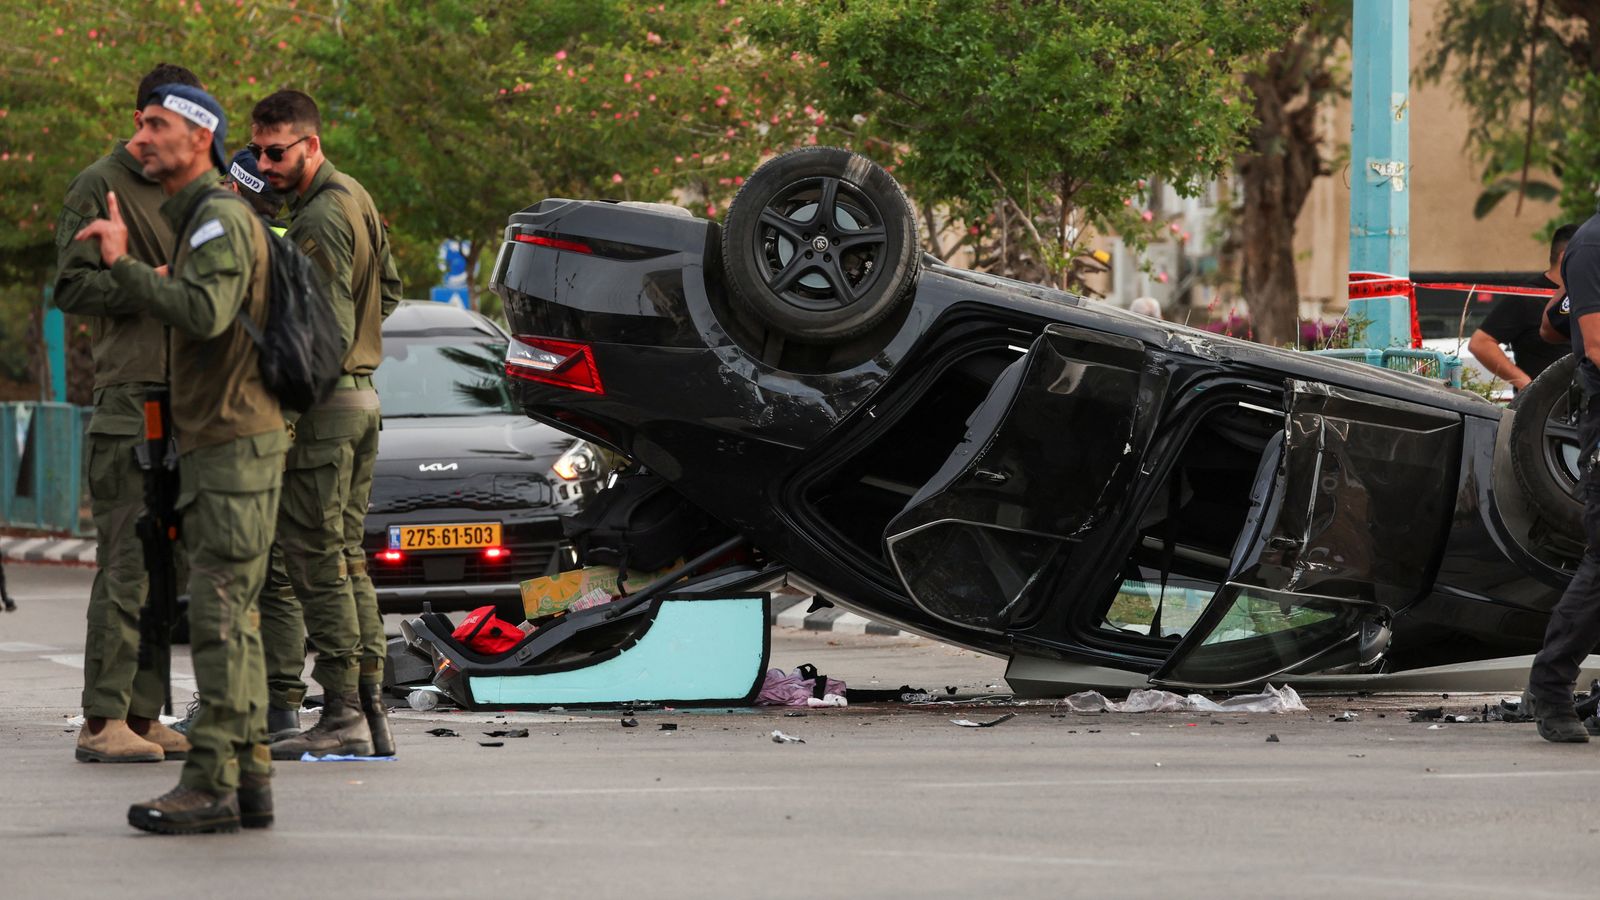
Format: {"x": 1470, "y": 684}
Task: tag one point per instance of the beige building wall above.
{"x": 1444, "y": 185}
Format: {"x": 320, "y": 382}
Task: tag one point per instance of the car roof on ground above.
{"x": 423, "y": 318}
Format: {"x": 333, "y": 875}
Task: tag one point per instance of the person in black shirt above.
{"x": 1574, "y": 627}
{"x": 1514, "y": 320}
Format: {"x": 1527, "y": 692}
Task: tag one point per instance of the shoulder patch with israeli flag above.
{"x": 245, "y": 178}
{"x": 192, "y": 111}
{"x": 211, "y": 229}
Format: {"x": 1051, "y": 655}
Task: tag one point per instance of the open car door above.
{"x": 1048, "y": 457}
{"x": 1347, "y": 521}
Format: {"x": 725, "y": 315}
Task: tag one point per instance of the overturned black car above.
{"x": 1017, "y": 469}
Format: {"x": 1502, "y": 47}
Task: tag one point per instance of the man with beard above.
{"x": 231, "y": 438}
{"x": 323, "y": 580}
{"x": 121, "y": 703}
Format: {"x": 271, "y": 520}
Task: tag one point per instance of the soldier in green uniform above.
{"x": 121, "y": 704}
{"x": 246, "y": 180}
{"x": 329, "y": 479}
{"x": 231, "y": 442}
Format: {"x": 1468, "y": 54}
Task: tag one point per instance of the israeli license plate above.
{"x": 444, "y": 537}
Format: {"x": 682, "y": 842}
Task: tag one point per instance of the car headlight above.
{"x": 577, "y": 463}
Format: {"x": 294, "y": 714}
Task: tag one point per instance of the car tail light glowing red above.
{"x": 496, "y": 554}
{"x": 539, "y": 240}
{"x": 567, "y": 364}
{"x": 392, "y": 557}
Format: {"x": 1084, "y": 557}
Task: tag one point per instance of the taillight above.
{"x": 565, "y": 364}
{"x": 496, "y": 554}
{"x": 555, "y": 243}
{"x": 392, "y": 557}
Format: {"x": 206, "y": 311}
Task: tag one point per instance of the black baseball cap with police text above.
{"x": 198, "y": 107}
{"x": 243, "y": 171}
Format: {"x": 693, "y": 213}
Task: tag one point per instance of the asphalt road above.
{"x": 879, "y": 802}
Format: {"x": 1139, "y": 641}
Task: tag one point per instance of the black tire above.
{"x": 818, "y": 294}
{"x": 1544, "y": 447}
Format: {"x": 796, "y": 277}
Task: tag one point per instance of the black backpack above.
{"x": 300, "y": 353}
{"x": 638, "y": 524}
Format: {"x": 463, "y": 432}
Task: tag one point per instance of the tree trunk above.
{"x": 1275, "y": 176}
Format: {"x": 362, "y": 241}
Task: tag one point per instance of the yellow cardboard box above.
{"x": 552, "y": 594}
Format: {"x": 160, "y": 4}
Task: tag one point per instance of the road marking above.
{"x": 1008, "y": 859}
{"x": 1536, "y": 774}
{"x": 1090, "y": 782}
{"x": 25, "y": 647}
{"x": 70, "y": 660}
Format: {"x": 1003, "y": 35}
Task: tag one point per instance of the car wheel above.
{"x": 821, "y": 245}
{"x": 1544, "y": 447}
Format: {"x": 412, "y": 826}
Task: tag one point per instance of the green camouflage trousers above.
{"x": 229, "y": 502}
{"x": 374, "y": 648}
{"x": 113, "y": 686}
{"x": 311, "y": 592}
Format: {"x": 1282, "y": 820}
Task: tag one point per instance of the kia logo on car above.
{"x": 436, "y": 467}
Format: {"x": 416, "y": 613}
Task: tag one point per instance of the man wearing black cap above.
{"x": 121, "y": 704}
{"x": 246, "y": 180}
{"x": 329, "y": 478}
{"x": 231, "y": 439}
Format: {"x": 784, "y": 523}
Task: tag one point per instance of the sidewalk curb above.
{"x": 48, "y": 550}
{"x": 790, "y": 611}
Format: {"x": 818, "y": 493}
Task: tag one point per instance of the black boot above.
{"x": 282, "y": 723}
{"x": 186, "y": 811}
{"x": 1558, "y": 723}
{"x": 255, "y": 801}
{"x": 341, "y": 731}
{"x": 377, "y": 719}
{"x": 11, "y": 605}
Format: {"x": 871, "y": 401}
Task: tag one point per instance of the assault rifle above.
{"x": 158, "y": 532}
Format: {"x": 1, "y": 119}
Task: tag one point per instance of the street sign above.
{"x": 455, "y": 296}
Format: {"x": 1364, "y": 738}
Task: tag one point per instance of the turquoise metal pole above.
{"x": 55, "y": 346}
{"x": 1380, "y": 152}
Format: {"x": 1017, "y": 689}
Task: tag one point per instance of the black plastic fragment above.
{"x": 491, "y": 743}
{"x": 630, "y": 722}
{"x": 1273, "y": 739}
{"x": 1427, "y": 715}
{"x": 669, "y": 726}
{"x": 508, "y": 733}
{"x": 442, "y": 732}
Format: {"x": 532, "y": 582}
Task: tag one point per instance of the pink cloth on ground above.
{"x": 782, "y": 688}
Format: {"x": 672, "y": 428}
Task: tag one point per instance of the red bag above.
{"x": 487, "y": 633}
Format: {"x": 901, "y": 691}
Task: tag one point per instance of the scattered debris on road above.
{"x": 1346, "y": 716}
{"x": 968, "y": 723}
{"x": 508, "y": 733}
{"x": 1273, "y": 739}
{"x": 779, "y": 737}
{"x": 1271, "y": 700}
{"x": 630, "y": 722}
{"x": 442, "y": 732}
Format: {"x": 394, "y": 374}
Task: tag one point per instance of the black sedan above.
{"x": 466, "y": 492}
{"x": 1017, "y": 469}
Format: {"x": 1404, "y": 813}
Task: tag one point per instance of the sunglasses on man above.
{"x": 274, "y": 153}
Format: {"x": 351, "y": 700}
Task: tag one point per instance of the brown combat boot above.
{"x": 185, "y": 810}
{"x": 173, "y": 744}
{"x": 255, "y": 800}
{"x": 341, "y": 731}
{"x": 377, "y": 719}
{"x": 115, "y": 742}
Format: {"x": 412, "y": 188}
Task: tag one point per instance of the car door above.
{"x": 1346, "y": 526}
{"x": 1048, "y": 458}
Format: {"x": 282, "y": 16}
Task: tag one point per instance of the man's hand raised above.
{"x": 111, "y": 232}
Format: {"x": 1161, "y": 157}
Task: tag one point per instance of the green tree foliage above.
{"x": 1058, "y": 112}
{"x": 1529, "y": 72}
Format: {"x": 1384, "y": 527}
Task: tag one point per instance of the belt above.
{"x": 354, "y": 383}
